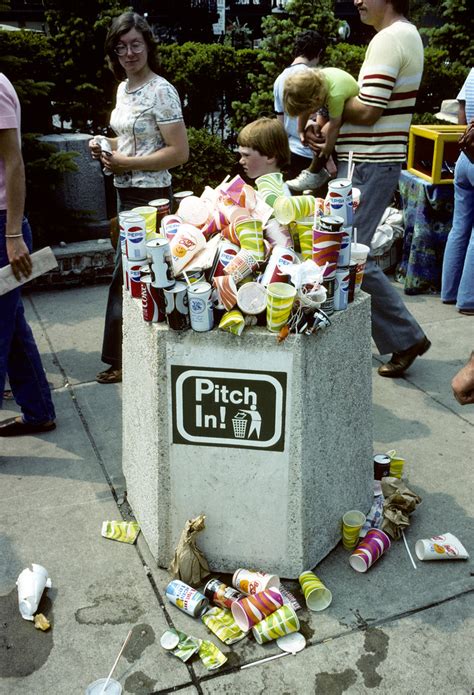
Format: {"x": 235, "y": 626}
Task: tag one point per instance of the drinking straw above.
{"x": 354, "y": 235}
{"x": 350, "y": 169}
{"x": 408, "y": 549}
{"x": 186, "y": 278}
{"x": 269, "y": 658}
{"x": 115, "y": 663}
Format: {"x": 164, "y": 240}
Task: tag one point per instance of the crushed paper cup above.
{"x": 31, "y": 584}
{"x": 122, "y": 531}
{"x": 226, "y": 290}
{"x": 187, "y": 645}
{"x": 233, "y": 322}
{"x": 444, "y": 547}
{"x": 221, "y": 622}
{"x": 211, "y": 656}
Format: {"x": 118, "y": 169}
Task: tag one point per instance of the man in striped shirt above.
{"x": 376, "y": 125}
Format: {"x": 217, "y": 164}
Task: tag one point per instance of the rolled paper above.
{"x": 226, "y": 290}
{"x": 221, "y": 622}
{"x": 352, "y": 523}
{"x": 241, "y": 266}
{"x": 317, "y": 596}
{"x": 283, "y": 622}
{"x": 233, "y": 322}
{"x": 289, "y": 209}
{"x": 193, "y": 210}
{"x": 375, "y": 543}
{"x": 444, "y": 547}
{"x": 326, "y": 247}
{"x": 251, "y": 582}
{"x": 250, "y": 610}
{"x": 280, "y": 299}
{"x": 250, "y": 235}
{"x": 211, "y": 656}
{"x": 123, "y": 531}
{"x": 270, "y": 187}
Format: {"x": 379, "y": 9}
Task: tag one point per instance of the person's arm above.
{"x": 358, "y": 113}
{"x": 175, "y": 152}
{"x": 17, "y": 251}
{"x": 463, "y": 383}
{"x": 331, "y": 131}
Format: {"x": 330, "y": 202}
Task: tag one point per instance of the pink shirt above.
{"x": 10, "y": 117}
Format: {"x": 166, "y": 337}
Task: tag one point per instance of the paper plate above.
{"x": 169, "y": 640}
{"x": 292, "y": 643}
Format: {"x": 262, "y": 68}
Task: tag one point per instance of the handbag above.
{"x": 466, "y": 142}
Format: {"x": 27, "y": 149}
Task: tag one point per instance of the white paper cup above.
{"x": 443, "y": 547}
{"x": 359, "y": 253}
{"x": 113, "y": 687}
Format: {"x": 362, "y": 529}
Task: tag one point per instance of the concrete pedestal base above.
{"x": 272, "y": 442}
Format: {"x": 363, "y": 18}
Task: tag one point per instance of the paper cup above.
{"x": 270, "y": 187}
{"x": 326, "y": 247}
{"x": 226, "y": 290}
{"x": 96, "y": 688}
{"x": 31, "y": 583}
{"x": 396, "y": 464}
{"x": 193, "y": 210}
{"x": 303, "y": 229}
{"x": 280, "y": 299}
{"x": 298, "y": 206}
{"x": 241, "y": 266}
{"x": 250, "y": 610}
{"x": 149, "y": 214}
{"x": 375, "y": 543}
{"x": 444, "y": 547}
{"x": 352, "y": 523}
{"x": 251, "y": 582}
{"x": 185, "y": 244}
{"x": 250, "y": 235}
{"x": 283, "y": 622}
{"x": 252, "y": 298}
{"x": 359, "y": 253}
{"x": 317, "y": 596}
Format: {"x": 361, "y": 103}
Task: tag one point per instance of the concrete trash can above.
{"x": 272, "y": 442}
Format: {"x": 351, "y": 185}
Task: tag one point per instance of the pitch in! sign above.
{"x": 235, "y": 407}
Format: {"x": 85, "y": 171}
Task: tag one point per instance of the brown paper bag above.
{"x": 189, "y": 563}
{"x": 399, "y": 503}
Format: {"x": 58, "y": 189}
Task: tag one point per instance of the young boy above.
{"x": 308, "y": 91}
{"x": 263, "y": 147}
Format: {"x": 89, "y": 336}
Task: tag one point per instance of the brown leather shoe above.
{"x": 402, "y": 360}
{"x": 15, "y": 427}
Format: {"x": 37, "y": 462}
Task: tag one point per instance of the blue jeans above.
{"x": 19, "y": 356}
{"x": 112, "y": 345}
{"x": 457, "y": 281}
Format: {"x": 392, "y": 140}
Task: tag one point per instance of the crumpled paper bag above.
{"x": 189, "y": 563}
{"x": 399, "y": 503}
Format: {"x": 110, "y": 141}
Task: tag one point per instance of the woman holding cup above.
{"x": 150, "y": 139}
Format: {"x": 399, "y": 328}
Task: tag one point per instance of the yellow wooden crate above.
{"x": 433, "y": 150}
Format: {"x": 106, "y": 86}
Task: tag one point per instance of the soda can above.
{"x": 201, "y": 311}
{"x": 169, "y": 225}
{"x": 330, "y": 223}
{"x": 381, "y": 466}
{"x": 177, "y": 309}
{"x": 275, "y": 270}
{"x": 341, "y": 289}
{"x": 344, "y": 257}
{"x": 252, "y": 582}
{"x": 161, "y": 262}
{"x": 186, "y": 598}
{"x": 153, "y": 301}
{"x": 220, "y": 594}
{"x": 328, "y": 305}
{"x": 352, "y": 280}
{"x": 122, "y": 218}
{"x": 134, "y": 277}
{"x": 163, "y": 208}
{"x": 135, "y": 237}
{"x": 125, "y": 281}
{"x": 178, "y": 197}
{"x": 340, "y": 199}
{"x": 226, "y": 251}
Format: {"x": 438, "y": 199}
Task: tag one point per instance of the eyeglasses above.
{"x": 121, "y": 49}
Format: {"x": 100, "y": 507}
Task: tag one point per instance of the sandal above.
{"x": 110, "y": 376}
{"x": 16, "y": 427}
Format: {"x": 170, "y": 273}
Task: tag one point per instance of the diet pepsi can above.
{"x": 153, "y": 301}
{"x": 161, "y": 262}
{"x": 341, "y": 289}
{"x": 344, "y": 257}
{"x": 177, "y": 309}
{"x": 186, "y": 598}
{"x": 329, "y": 284}
{"x": 201, "y": 311}
{"x": 135, "y": 237}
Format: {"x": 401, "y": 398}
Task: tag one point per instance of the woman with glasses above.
{"x": 150, "y": 139}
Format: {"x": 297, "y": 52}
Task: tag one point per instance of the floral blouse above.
{"x": 136, "y": 120}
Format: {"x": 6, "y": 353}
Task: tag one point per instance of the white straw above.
{"x": 186, "y": 278}
{"x": 115, "y": 663}
{"x": 350, "y": 170}
{"x": 262, "y": 661}
{"x": 354, "y": 235}
{"x": 408, "y": 549}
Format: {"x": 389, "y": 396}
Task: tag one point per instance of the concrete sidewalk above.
{"x": 393, "y": 630}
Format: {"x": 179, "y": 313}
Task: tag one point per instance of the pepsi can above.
{"x": 341, "y": 289}
{"x": 328, "y": 305}
{"x": 134, "y": 277}
{"x": 186, "y": 598}
{"x": 226, "y": 251}
{"x": 344, "y": 257}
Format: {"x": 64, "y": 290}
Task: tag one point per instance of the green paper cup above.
{"x": 317, "y": 596}
{"x": 283, "y": 622}
{"x": 352, "y": 523}
{"x": 250, "y": 235}
{"x": 270, "y": 187}
{"x": 396, "y": 464}
{"x": 280, "y": 299}
{"x": 303, "y": 229}
{"x": 289, "y": 209}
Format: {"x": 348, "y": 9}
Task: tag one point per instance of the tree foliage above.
{"x": 455, "y": 36}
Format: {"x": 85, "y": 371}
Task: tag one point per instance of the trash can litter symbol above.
{"x": 239, "y": 423}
